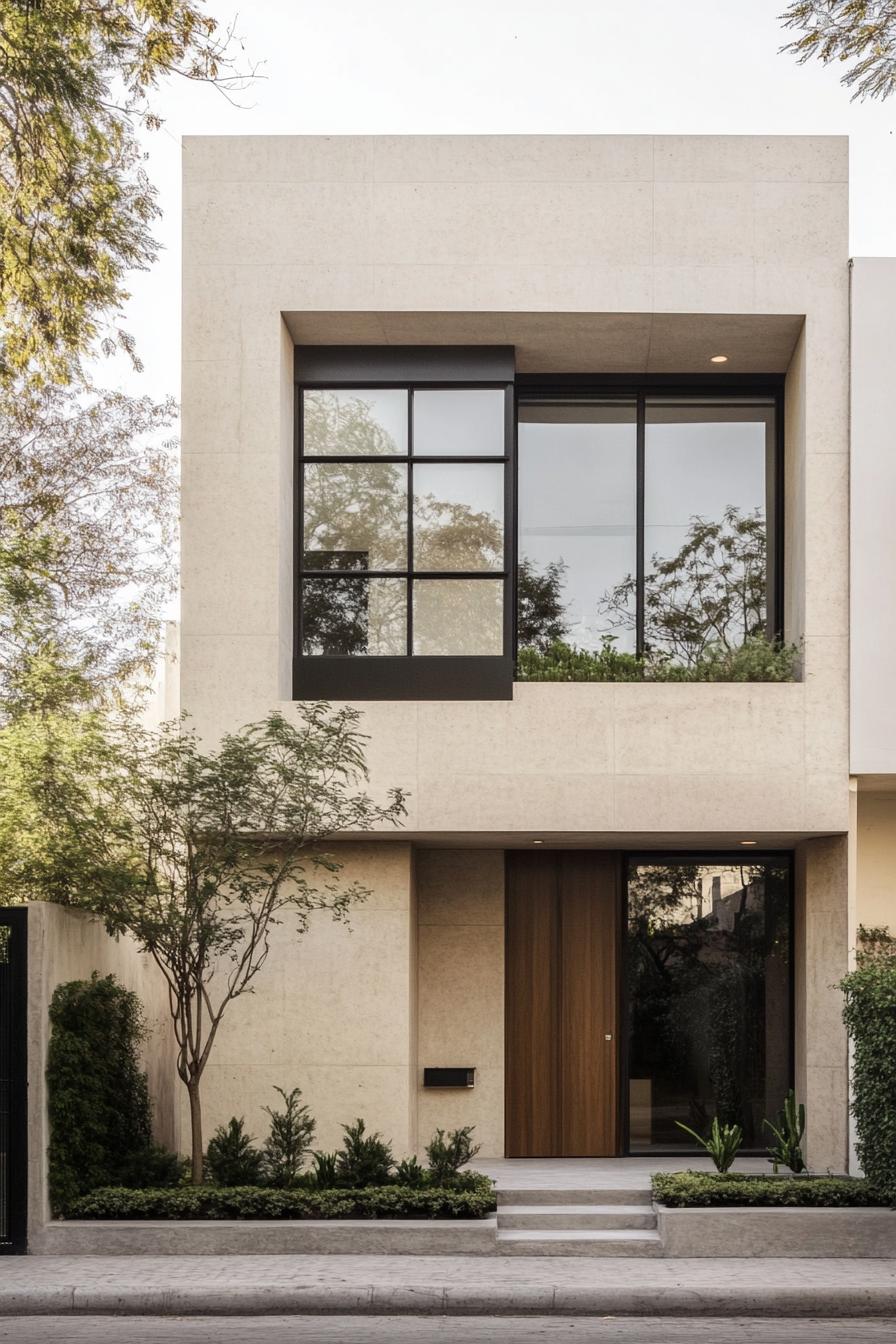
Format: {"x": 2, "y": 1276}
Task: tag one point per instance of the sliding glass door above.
{"x": 709, "y": 996}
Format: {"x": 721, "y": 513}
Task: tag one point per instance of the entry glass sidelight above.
{"x": 562, "y": 991}
{"x": 709, "y": 995}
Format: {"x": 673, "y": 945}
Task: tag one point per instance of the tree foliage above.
{"x": 87, "y": 528}
{"x": 861, "y": 33}
{"x": 200, "y": 854}
{"x": 76, "y": 207}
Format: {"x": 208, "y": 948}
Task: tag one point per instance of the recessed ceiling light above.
{"x": 718, "y": 359}
{"x": 747, "y": 842}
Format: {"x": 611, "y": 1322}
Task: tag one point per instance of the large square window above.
{"x": 402, "y": 549}
{"x": 645, "y": 527}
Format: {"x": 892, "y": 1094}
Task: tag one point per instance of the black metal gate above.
{"x": 13, "y": 1081}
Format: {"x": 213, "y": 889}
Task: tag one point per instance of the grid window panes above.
{"x": 644, "y": 524}
{"x": 403, "y": 522}
{"x": 709, "y": 997}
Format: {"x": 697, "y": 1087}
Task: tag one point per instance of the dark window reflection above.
{"x": 354, "y": 616}
{"x": 577, "y": 523}
{"x": 709, "y": 998}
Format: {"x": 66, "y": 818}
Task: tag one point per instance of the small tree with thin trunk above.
{"x": 223, "y": 845}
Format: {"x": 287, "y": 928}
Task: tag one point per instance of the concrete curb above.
{"x": 438, "y": 1300}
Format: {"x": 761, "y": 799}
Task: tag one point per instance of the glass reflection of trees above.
{"x": 355, "y": 519}
{"x": 711, "y": 593}
{"x": 709, "y": 996}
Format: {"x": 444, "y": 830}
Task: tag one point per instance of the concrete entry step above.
{"x": 595, "y": 1195}
{"x": 615, "y": 1241}
{"x": 581, "y": 1217}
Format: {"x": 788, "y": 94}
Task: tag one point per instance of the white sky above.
{"x": 505, "y": 66}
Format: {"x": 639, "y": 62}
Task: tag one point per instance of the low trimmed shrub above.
{"x": 707, "y": 1190}
{"x": 474, "y": 1200}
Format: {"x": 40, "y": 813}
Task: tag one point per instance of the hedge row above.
{"x": 209, "y": 1201}
{"x": 700, "y": 1190}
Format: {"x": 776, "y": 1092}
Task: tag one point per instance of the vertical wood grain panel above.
{"x": 589, "y": 992}
{"x": 562, "y": 1001}
{"x": 531, "y": 1009}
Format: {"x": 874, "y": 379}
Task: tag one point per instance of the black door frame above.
{"x": 14, "y": 1080}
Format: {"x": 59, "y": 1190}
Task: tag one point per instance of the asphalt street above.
{"x": 434, "y": 1330}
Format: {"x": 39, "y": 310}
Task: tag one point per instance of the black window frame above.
{"x": 536, "y": 387}
{"x": 734, "y": 858}
{"x": 408, "y": 676}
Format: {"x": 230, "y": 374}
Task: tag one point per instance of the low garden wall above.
{"x": 397, "y": 1236}
{"x": 777, "y": 1233}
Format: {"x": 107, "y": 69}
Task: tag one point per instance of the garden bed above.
{"x": 475, "y": 1199}
{"x": 809, "y": 1217}
{"x": 697, "y": 1189}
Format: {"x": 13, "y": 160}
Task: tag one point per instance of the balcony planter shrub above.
{"x": 474, "y": 1197}
{"x": 758, "y": 659}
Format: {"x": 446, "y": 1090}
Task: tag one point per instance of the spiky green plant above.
{"x": 787, "y": 1151}
{"x": 722, "y": 1143}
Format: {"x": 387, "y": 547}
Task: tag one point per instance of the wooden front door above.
{"x": 562, "y": 1004}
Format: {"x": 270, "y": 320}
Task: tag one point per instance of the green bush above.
{"x": 364, "y": 1159}
{"x": 757, "y": 659}
{"x": 446, "y": 1156}
{"x": 98, "y": 1101}
{"x": 699, "y": 1189}
{"x": 409, "y": 1173}
{"x": 324, "y": 1174}
{"x": 475, "y": 1200}
{"x": 231, "y": 1159}
{"x": 870, "y": 1015}
{"x": 287, "y": 1145}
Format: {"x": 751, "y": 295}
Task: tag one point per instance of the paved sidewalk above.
{"x": 393, "y": 1285}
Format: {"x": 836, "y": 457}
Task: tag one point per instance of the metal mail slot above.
{"x": 449, "y": 1077}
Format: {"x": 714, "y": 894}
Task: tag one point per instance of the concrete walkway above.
{"x": 394, "y": 1285}
{"x": 590, "y": 1173}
